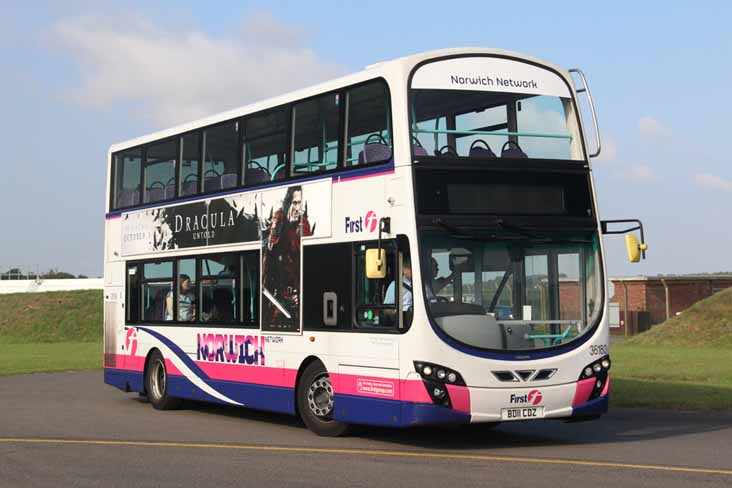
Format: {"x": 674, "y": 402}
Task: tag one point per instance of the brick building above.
{"x": 647, "y": 300}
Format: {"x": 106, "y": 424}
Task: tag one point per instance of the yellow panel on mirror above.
{"x": 375, "y": 264}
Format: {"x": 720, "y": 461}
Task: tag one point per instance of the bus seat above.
{"x": 512, "y": 150}
{"x": 154, "y": 195}
{"x": 127, "y": 198}
{"x": 212, "y": 183}
{"x": 169, "y": 192}
{"x": 228, "y": 180}
{"x": 419, "y": 151}
{"x": 373, "y": 152}
{"x": 189, "y": 188}
{"x": 483, "y": 151}
{"x": 257, "y": 175}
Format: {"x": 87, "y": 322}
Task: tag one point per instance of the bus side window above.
{"x": 376, "y": 299}
{"x": 127, "y": 176}
{"x": 220, "y": 167}
{"x": 316, "y": 134}
{"x": 250, "y": 288}
{"x": 369, "y": 125}
{"x": 264, "y": 140}
{"x": 133, "y": 293}
{"x": 157, "y": 283}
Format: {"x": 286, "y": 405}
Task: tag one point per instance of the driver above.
{"x": 406, "y": 284}
{"x": 436, "y": 284}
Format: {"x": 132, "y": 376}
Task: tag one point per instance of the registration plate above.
{"x": 522, "y": 413}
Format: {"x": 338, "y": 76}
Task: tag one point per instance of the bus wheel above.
{"x": 315, "y": 402}
{"x": 156, "y": 384}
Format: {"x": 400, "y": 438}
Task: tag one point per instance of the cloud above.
{"x": 179, "y": 75}
{"x": 640, "y": 173}
{"x": 650, "y": 127}
{"x": 712, "y": 182}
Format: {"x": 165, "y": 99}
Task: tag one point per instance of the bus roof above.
{"x": 386, "y": 69}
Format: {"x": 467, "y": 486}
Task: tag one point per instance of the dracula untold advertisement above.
{"x": 206, "y": 223}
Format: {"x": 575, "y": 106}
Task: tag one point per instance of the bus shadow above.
{"x": 619, "y": 426}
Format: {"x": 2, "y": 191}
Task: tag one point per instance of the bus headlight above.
{"x": 597, "y": 370}
{"x": 435, "y": 378}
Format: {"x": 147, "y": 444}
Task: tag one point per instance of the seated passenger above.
{"x": 389, "y": 296}
{"x": 186, "y": 301}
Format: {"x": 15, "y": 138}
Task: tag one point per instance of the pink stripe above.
{"x": 171, "y": 369}
{"x": 606, "y": 390}
{"x": 583, "y": 392}
{"x": 123, "y": 361}
{"x": 415, "y": 391}
{"x": 260, "y": 375}
{"x": 460, "y": 398}
{"x": 354, "y": 178}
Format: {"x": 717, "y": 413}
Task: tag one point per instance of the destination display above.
{"x": 489, "y": 74}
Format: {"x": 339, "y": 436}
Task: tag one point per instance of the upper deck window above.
{"x": 316, "y": 134}
{"x": 127, "y": 176}
{"x": 160, "y": 163}
{"x": 190, "y": 150}
{"x": 369, "y": 124}
{"x": 220, "y": 166}
{"x": 482, "y": 107}
{"x": 265, "y": 146}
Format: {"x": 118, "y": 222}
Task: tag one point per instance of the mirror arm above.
{"x": 639, "y": 226}
{"x": 385, "y": 226}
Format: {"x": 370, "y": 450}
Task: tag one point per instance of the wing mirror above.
{"x": 376, "y": 258}
{"x": 636, "y": 250}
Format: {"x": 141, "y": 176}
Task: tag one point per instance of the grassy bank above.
{"x": 683, "y": 378}
{"x": 58, "y": 316}
{"x": 53, "y": 331}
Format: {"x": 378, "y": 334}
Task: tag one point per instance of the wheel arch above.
{"x": 304, "y": 364}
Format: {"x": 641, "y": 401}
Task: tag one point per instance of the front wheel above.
{"x": 315, "y": 402}
{"x": 156, "y": 384}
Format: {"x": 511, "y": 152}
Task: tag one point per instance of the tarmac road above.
{"x": 69, "y": 429}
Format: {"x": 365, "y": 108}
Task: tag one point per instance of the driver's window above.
{"x": 159, "y": 177}
{"x": 369, "y": 125}
{"x": 376, "y": 299}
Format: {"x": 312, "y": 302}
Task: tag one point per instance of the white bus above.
{"x": 416, "y": 243}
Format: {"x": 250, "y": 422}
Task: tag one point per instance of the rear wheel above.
{"x": 156, "y": 384}
{"x": 315, "y": 402}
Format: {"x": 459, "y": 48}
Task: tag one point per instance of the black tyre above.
{"x": 315, "y": 402}
{"x": 156, "y": 384}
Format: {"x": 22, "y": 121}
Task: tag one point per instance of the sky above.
{"x": 78, "y": 76}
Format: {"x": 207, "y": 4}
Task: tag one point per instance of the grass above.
{"x": 673, "y": 377}
{"x": 49, "y": 357}
{"x": 53, "y": 331}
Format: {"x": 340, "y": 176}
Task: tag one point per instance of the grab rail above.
{"x": 586, "y": 89}
{"x": 494, "y": 133}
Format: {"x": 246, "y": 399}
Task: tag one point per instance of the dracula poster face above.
{"x": 279, "y": 219}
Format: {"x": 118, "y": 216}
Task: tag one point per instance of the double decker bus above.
{"x": 417, "y": 243}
